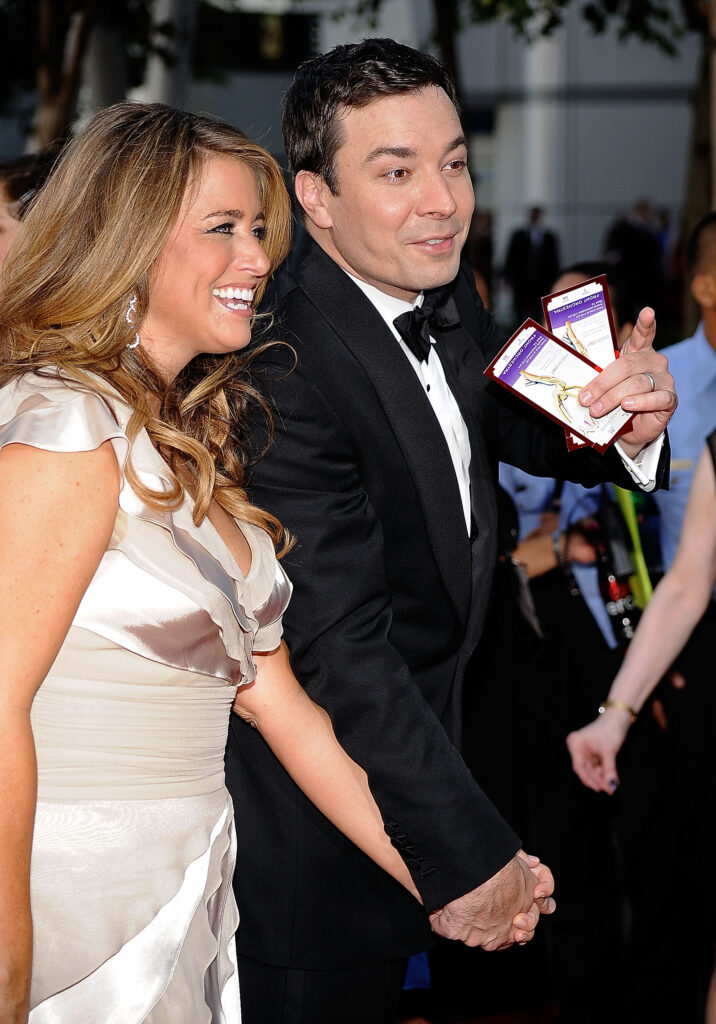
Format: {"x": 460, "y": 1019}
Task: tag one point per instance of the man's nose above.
{"x": 436, "y": 198}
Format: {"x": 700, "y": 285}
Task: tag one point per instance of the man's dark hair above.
{"x": 22, "y": 177}
{"x": 621, "y": 295}
{"x": 348, "y": 76}
{"x": 697, "y": 243}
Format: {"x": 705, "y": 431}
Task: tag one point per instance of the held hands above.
{"x": 503, "y": 910}
{"x": 594, "y": 749}
{"x": 627, "y": 382}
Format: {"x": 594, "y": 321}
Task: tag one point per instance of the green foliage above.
{"x": 23, "y": 54}
{"x": 660, "y": 22}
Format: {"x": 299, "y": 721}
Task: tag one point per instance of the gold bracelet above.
{"x": 621, "y": 704}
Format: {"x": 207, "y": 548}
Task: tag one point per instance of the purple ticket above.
{"x": 549, "y": 375}
{"x": 581, "y": 317}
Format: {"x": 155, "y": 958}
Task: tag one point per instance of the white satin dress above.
{"x": 134, "y": 843}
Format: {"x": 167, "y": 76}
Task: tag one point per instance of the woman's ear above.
{"x": 312, "y": 193}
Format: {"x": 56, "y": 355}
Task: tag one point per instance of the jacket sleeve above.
{"x": 338, "y": 629}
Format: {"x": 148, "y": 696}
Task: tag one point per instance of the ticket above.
{"x": 581, "y": 316}
{"x": 549, "y": 374}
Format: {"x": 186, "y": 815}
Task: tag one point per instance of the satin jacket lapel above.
{"x": 458, "y": 351}
{"x": 406, "y": 407}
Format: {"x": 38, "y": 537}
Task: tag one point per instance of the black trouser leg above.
{"x": 282, "y": 995}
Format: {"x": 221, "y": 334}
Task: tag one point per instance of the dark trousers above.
{"x": 283, "y": 995}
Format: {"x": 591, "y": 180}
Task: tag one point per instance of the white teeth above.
{"x": 245, "y": 294}
{"x": 435, "y": 241}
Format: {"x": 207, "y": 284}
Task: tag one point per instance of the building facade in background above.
{"x": 583, "y": 126}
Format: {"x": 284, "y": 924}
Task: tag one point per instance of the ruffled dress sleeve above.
{"x": 57, "y": 417}
{"x": 165, "y": 588}
{"x": 271, "y": 594}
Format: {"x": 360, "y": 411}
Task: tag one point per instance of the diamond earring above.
{"x": 129, "y": 317}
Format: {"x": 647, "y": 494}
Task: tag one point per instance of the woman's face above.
{"x": 8, "y": 226}
{"x": 203, "y": 285}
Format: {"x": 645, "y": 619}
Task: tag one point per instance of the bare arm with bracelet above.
{"x": 678, "y": 603}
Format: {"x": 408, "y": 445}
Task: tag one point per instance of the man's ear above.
{"x": 703, "y": 289}
{"x": 311, "y": 192}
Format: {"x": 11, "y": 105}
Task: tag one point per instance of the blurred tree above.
{"x": 54, "y": 51}
{"x": 44, "y": 45}
{"x": 660, "y": 22}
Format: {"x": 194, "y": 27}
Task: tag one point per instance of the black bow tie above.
{"x": 438, "y": 310}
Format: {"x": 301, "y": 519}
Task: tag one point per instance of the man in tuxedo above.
{"x": 384, "y": 466}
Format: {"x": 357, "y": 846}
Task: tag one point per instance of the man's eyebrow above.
{"x": 407, "y": 153}
{"x": 400, "y": 152}
{"x": 458, "y": 141}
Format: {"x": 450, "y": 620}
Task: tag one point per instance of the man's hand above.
{"x": 503, "y": 910}
{"x": 627, "y": 382}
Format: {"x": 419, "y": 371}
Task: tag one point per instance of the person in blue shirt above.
{"x": 690, "y": 705}
{"x": 603, "y": 969}
{"x": 693, "y": 364}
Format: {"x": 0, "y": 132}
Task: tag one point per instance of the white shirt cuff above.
{"x": 643, "y": 468}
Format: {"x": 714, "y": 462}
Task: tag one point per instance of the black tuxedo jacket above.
{"x": 390, "y": 595}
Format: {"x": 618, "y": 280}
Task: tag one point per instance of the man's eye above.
{"x": 398, "y": 174}
{"x": 223, "y": 229}
{"x": 456, "y": 165}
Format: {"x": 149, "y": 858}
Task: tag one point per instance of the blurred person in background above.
{"x": 688, "y": 702}
{"x": 20, "y": 180}
{"x": 679, "y": 601}
{"x": 602, "y": 968}
{"x": 632, "y": 247}
{"x": 531, "y": 264}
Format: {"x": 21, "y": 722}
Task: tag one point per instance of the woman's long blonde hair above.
{"x": 88, "y": 245}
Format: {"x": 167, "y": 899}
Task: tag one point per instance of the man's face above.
{"x": 405, "y": 198}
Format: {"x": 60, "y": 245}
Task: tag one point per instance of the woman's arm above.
{"x": 301, "y": 736}
{"x": 57, "y": 512}
{"x": 678, "y": 603}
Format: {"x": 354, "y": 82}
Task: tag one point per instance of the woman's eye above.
{"x": 223, "y": 229}
{"x": 259, "y": 232}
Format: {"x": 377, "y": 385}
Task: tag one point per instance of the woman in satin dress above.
{"x": 141, "y": 597}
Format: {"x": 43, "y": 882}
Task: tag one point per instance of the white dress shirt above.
{"x": 432, "y": 378}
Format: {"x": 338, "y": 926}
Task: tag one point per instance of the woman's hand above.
{"x": 594, "y": 749}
